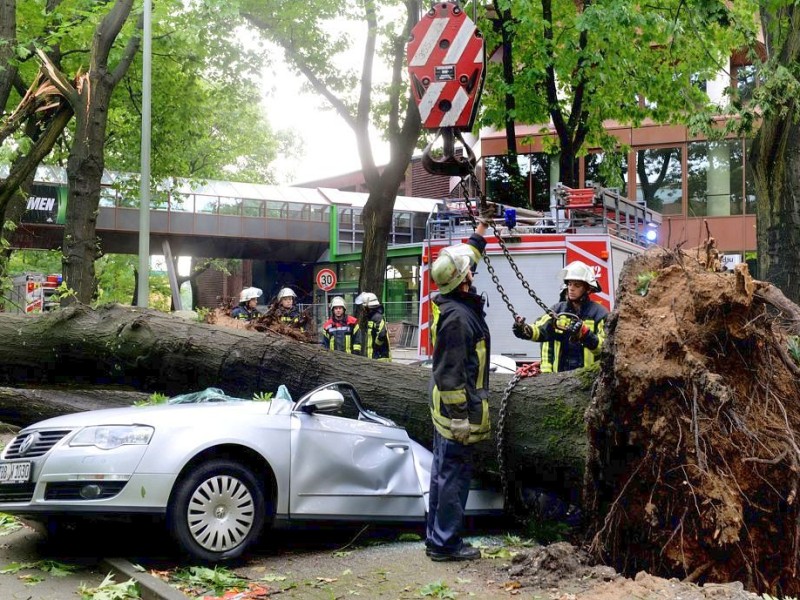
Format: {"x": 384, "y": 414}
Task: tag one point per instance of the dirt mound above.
{"x": 568, "y": 573}
{"x": 693, "y": 467}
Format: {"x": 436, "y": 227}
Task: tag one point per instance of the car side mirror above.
{"x": 323, "y": 401}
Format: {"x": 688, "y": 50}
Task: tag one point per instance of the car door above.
{"x": 343, "y": 467}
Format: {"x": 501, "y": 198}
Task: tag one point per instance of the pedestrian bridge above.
{"x": 219, "y": 219}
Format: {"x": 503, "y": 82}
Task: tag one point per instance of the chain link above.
{"x": 502, "y": 413}
{"x": 501, "y": 435}
{"x": 504, "y": 248}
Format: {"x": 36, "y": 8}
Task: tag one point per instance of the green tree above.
{"x": 207, "y": 123}
{"x": 775, "y": 152}
{"x": 310, "y": 35}
{"x": 34, "y": 114}
{"x": 578, "y": 64}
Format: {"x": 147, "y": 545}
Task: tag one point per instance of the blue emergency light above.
{"x": 511, "y": 217}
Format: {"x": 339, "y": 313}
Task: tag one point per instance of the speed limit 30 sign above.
{"x": 326, "y": 280}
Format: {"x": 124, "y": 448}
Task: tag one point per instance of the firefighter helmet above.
{"x": 368, "y": 299}
{"x": 249, "y": 293}
{"x": 580, "y": 271}
{"x": 338, "y": 301}
{"x": 451, "y": 266}
{"x": 286, "y": 293}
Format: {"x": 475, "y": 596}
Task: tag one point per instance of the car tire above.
{"x": 217, "y": 511}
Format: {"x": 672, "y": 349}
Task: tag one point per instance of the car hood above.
{"x": 185, "y": 414}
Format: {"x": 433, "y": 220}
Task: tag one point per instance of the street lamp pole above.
{"x": 143, "y": 280}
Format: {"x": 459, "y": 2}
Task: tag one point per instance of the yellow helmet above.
{"x": 451, "y": 266}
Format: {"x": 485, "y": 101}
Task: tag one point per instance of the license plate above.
{"x": 15, "y": 472}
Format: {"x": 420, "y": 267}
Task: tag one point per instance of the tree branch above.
{"x": 106, "y": 34}
{"x": 300, "y": 64}
{"x": 58, "y": 79}
{"x": 128, "y": 54}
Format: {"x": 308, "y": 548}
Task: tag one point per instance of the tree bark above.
{"x": 90, "y": 100}
{"x": 21, "y": 406}
{"x": 153, "y": 351}
{"x": 775, "y": 156}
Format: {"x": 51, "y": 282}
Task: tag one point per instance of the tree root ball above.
{"x": 693, "y": 461}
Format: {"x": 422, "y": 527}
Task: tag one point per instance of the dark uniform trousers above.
{"x": 451, "y": 473}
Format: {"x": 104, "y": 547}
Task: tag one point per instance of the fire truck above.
{"x": 595, "y": 225}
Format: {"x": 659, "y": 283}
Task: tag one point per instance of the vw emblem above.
{"x": 27, "y": 443}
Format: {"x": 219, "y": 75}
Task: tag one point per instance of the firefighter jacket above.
{"x": 243, "y": 313}
{"x": 559, "y": 353}
{"x": 375, "y": 340}
{"x": 460, "y": 381}
{"x": 289, "y": 316}
{"x": 341, "y": 334}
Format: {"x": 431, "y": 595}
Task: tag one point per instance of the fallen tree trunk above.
{"x": 692, "y": 459}
{"x": 153, "y": 351}
{"x": 23, "y": 406}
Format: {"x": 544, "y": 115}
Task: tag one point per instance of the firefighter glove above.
{"x": 522, "y": 330}
{"x": 487, "y": 213}
{"x": 577, "y": 331}
{"x": 460, "y": 430}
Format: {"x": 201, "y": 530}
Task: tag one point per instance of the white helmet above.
{"x": 249, "y": 293}
{"x": 580, "y": 271}
{"x": 451, "y": 266}
{"x": 286, "y": 293}
{"x": 368, "y": 299}
{"x": 338, "y": 301}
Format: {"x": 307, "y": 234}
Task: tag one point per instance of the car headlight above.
{"x": 107, "y": 437}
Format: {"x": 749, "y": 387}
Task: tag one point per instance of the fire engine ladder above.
{"x": 605, "y": 210}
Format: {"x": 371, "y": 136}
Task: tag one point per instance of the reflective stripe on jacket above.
{"x": 460, "y": 378}
{"x": 376, "y": 341}
{"x": 341, "y": 335}
{"x": 559, "y": 353}
{"x": 243, "y": 313}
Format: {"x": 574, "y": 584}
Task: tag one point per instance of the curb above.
{"x": 151, "y": 588}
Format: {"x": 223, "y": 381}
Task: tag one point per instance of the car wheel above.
{"x": 217, "y": 510}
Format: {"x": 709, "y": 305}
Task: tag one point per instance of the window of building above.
{"x": 205, "y": 204}
{"x": 715, "y": 178}
{"x": 744, "y": 80}
{"x": 230, "y": 206}
{"x": 275, "y": 210}
{"x": 253, "y": 208}
{"x": 401, "y": 228}
{"x": 659, "y": 174}
{"x": 749, "y": 182}
{"x": 534, "y": 189}
{"x": 351, "y": 232}
{"x": 181, "y": 202}
{"x": 608, "y": 170}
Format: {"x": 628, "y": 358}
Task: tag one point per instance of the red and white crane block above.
{"x": 446, "y": 64}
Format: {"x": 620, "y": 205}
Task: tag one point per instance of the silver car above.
{"x": 221, "y": 469}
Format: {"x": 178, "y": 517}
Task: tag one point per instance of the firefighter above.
{"x": 569, "y": 342}
{"x": 286, "y": 310}
{"x": 340, "y": 331}
{"x": 248, "y": 299}
{"x": 459, "y": 395}
{"x": 374, "y": 339}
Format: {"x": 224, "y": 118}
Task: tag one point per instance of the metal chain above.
{"x": 501, "y": 420}
{"x": 501, "y": 434}
{"x": 504, "y": 248}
